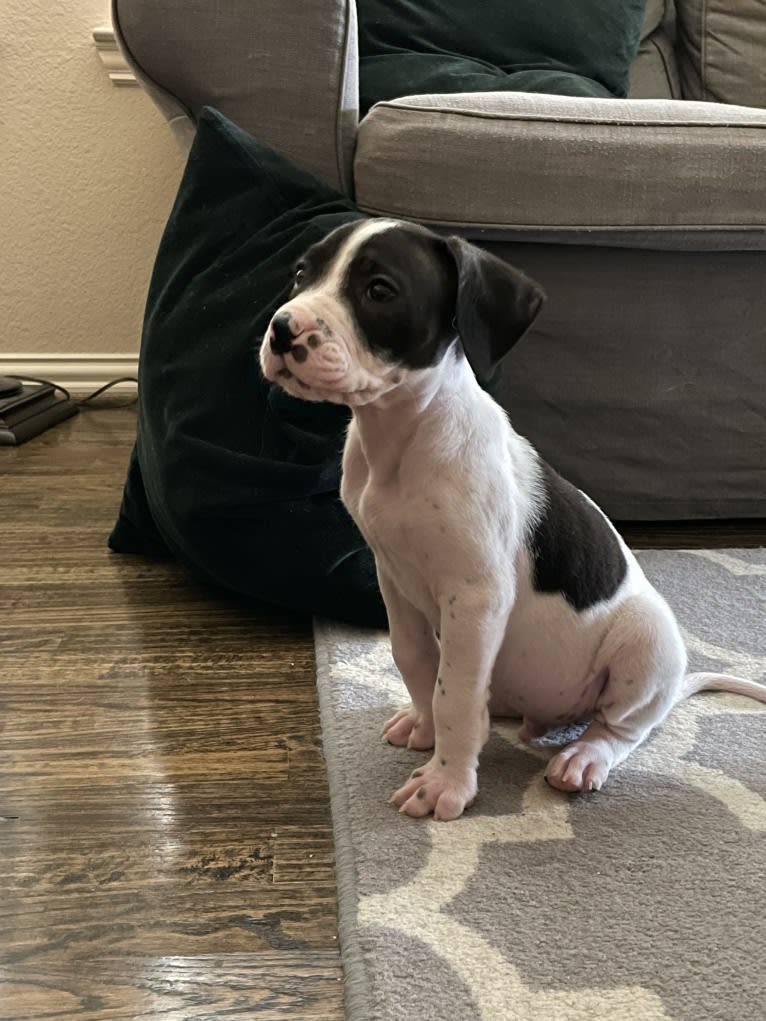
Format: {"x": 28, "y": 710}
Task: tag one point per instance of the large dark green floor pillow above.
{"x": 236, "y": 480}
{"x": 566, "y": 47}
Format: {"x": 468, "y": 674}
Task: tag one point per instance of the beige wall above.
{"x": 88, "y": 172}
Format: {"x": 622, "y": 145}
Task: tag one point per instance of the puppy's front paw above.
{"x": 578, "y": 767}
{"x": 443, "y": 790}
{"x": 410, "y": 728}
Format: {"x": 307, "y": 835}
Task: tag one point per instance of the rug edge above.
{"x": 356, "y": 984}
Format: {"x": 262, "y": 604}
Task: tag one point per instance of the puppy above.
{"x": 508, "y": 591}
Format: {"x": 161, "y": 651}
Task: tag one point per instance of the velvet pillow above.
{"x": 239, "y": 481}
{"x": 567, "y": 47}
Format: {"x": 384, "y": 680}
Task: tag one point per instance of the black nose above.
{"x": 281, "y": 335}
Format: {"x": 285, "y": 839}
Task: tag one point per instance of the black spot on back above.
{"x": 574, "y": 550}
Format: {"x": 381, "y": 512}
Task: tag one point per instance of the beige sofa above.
{"x": 644, "y": 380}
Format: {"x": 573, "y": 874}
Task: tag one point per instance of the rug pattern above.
{"x": 644, "y": 901}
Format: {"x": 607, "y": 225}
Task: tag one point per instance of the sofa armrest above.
{"x": 526, "y": 162}
{"x": 284, "y": 70}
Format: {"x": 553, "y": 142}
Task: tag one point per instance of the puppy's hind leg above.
{"x": 416, "y": 654}
{"x": 645, "y": 660}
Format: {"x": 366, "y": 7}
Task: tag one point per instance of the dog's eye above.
{"x": 380, "y": 289}
{"x": 300, "y": 273}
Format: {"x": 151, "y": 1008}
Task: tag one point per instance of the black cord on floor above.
{"x": 108, "y": 386}
{"x": 96, "y": 393}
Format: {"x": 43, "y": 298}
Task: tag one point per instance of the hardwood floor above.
{"x": 165, "y": 840}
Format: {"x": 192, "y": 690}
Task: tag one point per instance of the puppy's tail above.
{"x": 721, "y": 682}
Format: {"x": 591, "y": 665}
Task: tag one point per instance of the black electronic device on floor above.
{"x": 27, "y": 409}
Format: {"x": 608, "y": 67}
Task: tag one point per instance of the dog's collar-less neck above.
{"x": 386, "y": 426}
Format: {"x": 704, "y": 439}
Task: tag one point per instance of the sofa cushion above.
{"x": 655, "y": 13}
{"x": 654, "y": 72}
{"x": 519, "y": 161}
{"x": 722, "y": 50}
{"x": 238, "y": 480}
{"x": 445, "y": 46}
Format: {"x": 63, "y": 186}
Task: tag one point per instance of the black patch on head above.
{"x": 496, "y": 304}
{"x": 574, "y": 550}
{"x": 317, "y": 261}
{"x": 401, "y": 287}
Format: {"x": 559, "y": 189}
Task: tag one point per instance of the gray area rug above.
{"x": 646, "y": 900}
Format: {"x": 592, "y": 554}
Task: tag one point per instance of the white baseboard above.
{"x": 75, "y": 372}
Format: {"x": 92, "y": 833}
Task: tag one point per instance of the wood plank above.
{"x": 165, "y": 843}
{"x": 745, "y": 533}
{"x": 268, "y": 985}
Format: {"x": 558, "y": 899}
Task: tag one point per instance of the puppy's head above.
{"x": 377, "y": 300}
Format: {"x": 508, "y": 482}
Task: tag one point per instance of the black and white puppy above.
{"x": 508, "y": 591}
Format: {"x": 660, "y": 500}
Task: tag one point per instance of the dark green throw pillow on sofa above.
{"x": 238, "y": 481}
{"x": 566, "y": 47}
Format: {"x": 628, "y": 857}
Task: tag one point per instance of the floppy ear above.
{"x": 496, "y": 304}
